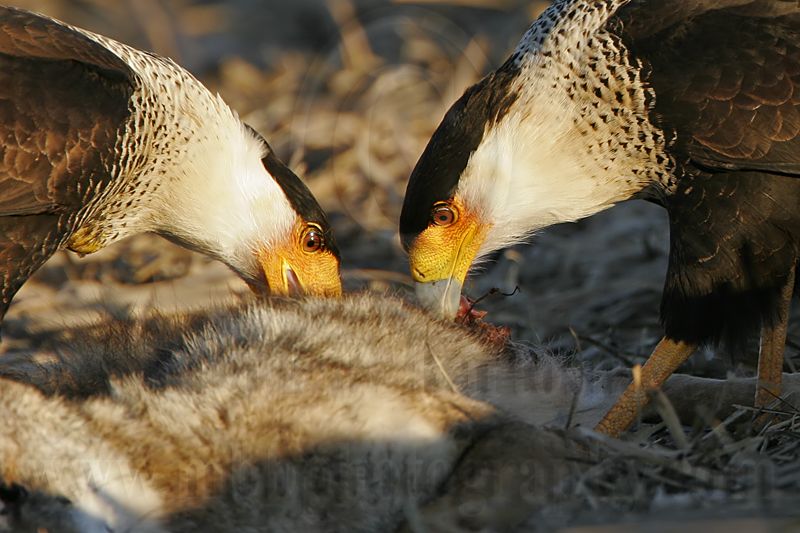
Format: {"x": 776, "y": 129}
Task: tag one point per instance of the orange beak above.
{"x": 293, "y": 272}
{"x": 440, "y": 258}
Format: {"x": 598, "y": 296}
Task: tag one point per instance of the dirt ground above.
{"x": 348, "y": 92}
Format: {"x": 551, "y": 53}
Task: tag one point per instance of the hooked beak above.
{"x": 315, "y": 275}
{"x": 293, "y": 286}
{"x": 442, "y": 296}
{"x": 440, "y": 259}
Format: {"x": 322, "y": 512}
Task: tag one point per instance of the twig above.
{"x": 490, "y": 292}
{"x": 670, "y": 417}
{"x": 356, "y": 49}
{"x": 576, "y": 338}
{"x": 574, "y": 405}
{"x": 608, "y": 349}
{"x": 441, "y": 367}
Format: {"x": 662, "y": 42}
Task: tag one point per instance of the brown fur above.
{"x": 286, "y": 415}
{"x": 309, "y": 415}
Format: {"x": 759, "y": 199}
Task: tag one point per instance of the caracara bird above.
{"x": 99, "y": 141}
{"x": 692, "y": 104}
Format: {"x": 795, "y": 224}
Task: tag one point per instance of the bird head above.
{"x": 304, "y": 259}
{"x": 305, "y": 262}
{"x": 242, "y": 205}
{"x": 443, "y": 227}
{"x": 508, "y": 159}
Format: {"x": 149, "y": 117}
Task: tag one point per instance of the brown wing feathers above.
{"x": 728, "y": 83}
{"x": 63, "y": 100}
{"x": 749, "y": 102}
{"x": 726, "y": 77}
{"x": 24, "y": 34}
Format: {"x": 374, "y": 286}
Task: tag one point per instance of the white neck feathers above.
{"x": 575, "y": 140}
{"x": 208, "y": 187}
{"x": 222, "y": 201}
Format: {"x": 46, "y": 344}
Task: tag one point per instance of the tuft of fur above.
{"x": 357, "y": 414}
{"x": 304, "y": 415}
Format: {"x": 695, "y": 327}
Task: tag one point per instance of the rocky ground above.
{"x": 348, "y": 93}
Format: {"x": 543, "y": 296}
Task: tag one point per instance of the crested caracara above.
{"x": 692, "y": 104}
{"x": 99, "y": 141}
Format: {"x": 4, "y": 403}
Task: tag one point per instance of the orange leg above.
{"x": 770, "y": 355}
{"x": 664, "y": 360}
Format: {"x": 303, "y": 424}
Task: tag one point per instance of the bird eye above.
{"x": 312, "y": 239}
{"x": 443, "y": 215}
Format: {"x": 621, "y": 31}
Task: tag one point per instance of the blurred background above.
{"x": 348, "y": 93}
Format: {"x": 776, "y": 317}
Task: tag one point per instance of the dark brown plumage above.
{"x": 99, "y": 141}
{"x": 693, "y": 104}
{"x": 727, "y": 89}
{"x": 63, "y": 103}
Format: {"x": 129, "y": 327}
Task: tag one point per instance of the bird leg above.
{"x": 664, "y": 360}
{"x": 770, "y": 355}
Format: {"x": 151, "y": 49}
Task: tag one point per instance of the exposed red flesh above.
{"x": 467, "y": 311}
{"x": 473, "y": 318}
